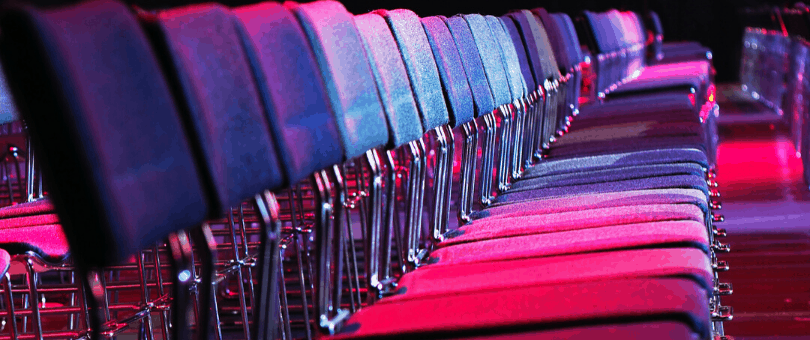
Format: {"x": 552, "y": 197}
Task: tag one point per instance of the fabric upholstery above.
{"x": 399, "y": 103}
{"x": 473, "y": 65}
{"x": 346, "y": 71}
{"x": 488, "y": 229}
{"x": 422, "y": 71}
{"x": 121, "y": 172}
{"x": 451, "y": 71}
{"x": 292, "y": 89}
{"x": 210, "y": 68}
{"x": 583, "y": 303}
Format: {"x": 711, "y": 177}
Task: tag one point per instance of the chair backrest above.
{"x": 422, "y": 71}
{"x": 573, "y": 44}
{"x": 119, "y": 168}
{"x": 551, "y": 69}
{"x": 456, "y": 87}
{"x": 509, "y": 56}
{"x": 522, "y": 55}
{"x": 292, "y": 89}
{"x": 223, "y": 111}
{"x": 392, "y": 79}
{"x": 346, "y": 71}
{"x": 8, "y": 112}
{"x": 489, "y": 51}
{"x": 555, "y": 37}
{"x": 473, "y": 65}
{"x": 523, "y": 21}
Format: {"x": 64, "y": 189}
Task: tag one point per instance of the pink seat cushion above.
{"x": 537, "y": 307}
{"x": 628, "y": 236}
{"x": 593, "y": 201}
{"x": 640, "y": 129}
{"x": 5, "y": 261}
{"x": 691, "y": 73}
{"x": 48, "y": 241}
{"x": 42, "y": 206}
{"x": 28, "y": 221}
{"x": 566, "y": 269}
{"x": 672, "y": 330}
{"x": 486, "y": 229}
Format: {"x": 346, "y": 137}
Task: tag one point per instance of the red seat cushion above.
{"x": 28, "y": 221}
{"x": 672, "y": 330}
{"x": 538, "y": 307}
{"x": 42, "y": 206}
{"x": 486, "y": 229}
{"x": 47, "y": 241}
{"x": 433, "y": 281}
{"x": 628, "y": 236}
{"x": 593, "y": 201}
{"x": 5, "y": 261}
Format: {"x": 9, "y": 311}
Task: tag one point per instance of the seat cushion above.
{"x": 48, "y": 241}
{"x": 458, "y": 315}
{"x": 689, "y": 74}
{"x": 430, "y": 281}
{"x": 642, "y": 129}
{"x": 5, "y": 261}
{"x": 41, "y": 206}
{"x": 638, "y": 106}
{"x": 674, "y": 330}
{"x": 609, "y": 175}
{"x": 593, "y": 201}
{"x": 487, "y": 229}
{"x": 658, "y": 141}
{"x": 563, "y": 165}
{"x": 628, "y": 236}
{"x": 660, "y": 182}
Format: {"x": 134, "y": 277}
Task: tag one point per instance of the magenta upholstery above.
{"x": 593, "y": 201}
{"x": 487, "y": 229}
{"x": 628, "y": 236}
{"x": 566, "y": 269}
{"x": 47, "y": 241}
{"x": 472, "y": 313}
{"x": 42, "y": 206}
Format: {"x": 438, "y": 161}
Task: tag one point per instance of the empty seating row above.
{"x": 773, "y": 68}
{"x": 295, "y": 168}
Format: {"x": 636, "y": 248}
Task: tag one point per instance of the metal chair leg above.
{"x": 268, "y": 262}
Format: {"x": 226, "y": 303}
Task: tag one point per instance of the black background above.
{"x": 715, "y": 23}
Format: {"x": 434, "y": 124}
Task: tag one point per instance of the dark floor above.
{"x": 767, "y": 210}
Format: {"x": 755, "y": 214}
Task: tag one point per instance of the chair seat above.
{"x": 628, "y": 331}
{"x": 643, "y": 102}
{"x": 629, "y": 144}
{"x": 609, "y": 175}
{"x": 624, "y": 116}
{"x": 430, "y": 281}
{"x": 47, "y": 241}
{"x": 488, "y": 229}
{"x": 28, "y": 221}
{"x": 561, "y": 165}
{"x": 693, "y": 74}
{"x": 5, "y": 262}
{"x": 628, "y": 236}
{"x": 619, "y": 131}
{"x": 42, "y": 206}
{"x": 594, "y": 201}
{"x": 661, "y": 182}
{"x": 457, "y": 315}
